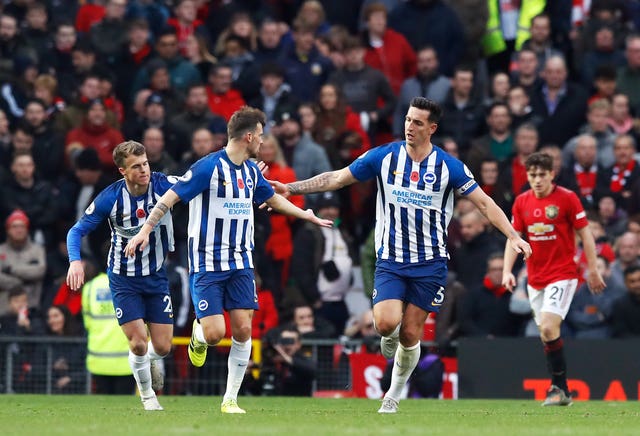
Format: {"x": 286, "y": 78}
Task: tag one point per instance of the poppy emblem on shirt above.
{"x": 415, "y": 176}
{"x": 240, "y": 184}
{"x": 551, "y": 211}
{"x": 140, "y": 213}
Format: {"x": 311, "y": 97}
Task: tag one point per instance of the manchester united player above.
{"x": 549, "y": 216}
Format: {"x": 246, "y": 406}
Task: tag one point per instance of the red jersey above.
{"x": 549, "y": 225}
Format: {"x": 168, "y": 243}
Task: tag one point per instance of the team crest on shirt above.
{"x": 250, "y": 183}
{"x": 429, "y": 178}
{"x": 240, "y": 184}
{"x": 551, "y": 211}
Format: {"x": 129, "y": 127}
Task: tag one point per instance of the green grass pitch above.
{"x": 103, "y": 415}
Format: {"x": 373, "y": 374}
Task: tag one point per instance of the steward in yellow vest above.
{"x": 107, "y": 346}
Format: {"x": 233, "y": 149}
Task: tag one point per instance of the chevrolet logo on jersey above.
{"x": 540, "y": 228}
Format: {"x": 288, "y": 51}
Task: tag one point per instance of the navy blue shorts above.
{"x": 419, "y": 284}
{"x": 144, "y": 298}
{"x": 213, "y": 292}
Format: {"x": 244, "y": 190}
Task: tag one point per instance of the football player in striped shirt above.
{"x": 416, "y": 185}
{"x": 139, "y": 286}
{"x": 221, "y": 189}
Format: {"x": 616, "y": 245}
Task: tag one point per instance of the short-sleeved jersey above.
{"x": 221, "y": 196}
{"x": 415, "y": 200}
{"x": 549, "y": 225}
{"x": 126, "y": 214}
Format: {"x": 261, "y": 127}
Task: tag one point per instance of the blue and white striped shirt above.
{"x": 415, "y": 200}
{"x": 126, "y": 214}
{"x": 221, "y": 196}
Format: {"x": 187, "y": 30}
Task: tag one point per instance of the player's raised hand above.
{"x": 280, "y": 188}
{"x": 311, "y": 217}
{"x": 521, "y": 246}
{"x": 75, "y": 275}
{"x": 263, "y": 167}
{"x": 141, "y": 239}
{"x": 595, "y": 282}
{"x": 508, "y": 281}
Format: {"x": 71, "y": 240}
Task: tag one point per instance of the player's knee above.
{"x": 138, "y": 347}
{"x": 409, "y": 336}
{"x": 549, "y": 332}
{"x": 242, "y": 333}
{"x": 213, "y": 335}
{"x": 385, "y": 327}
{"x": 162, "y": 349}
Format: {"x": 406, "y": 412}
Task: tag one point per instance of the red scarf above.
{"x": 497, "y": 290}
{"x": 620, "y": 176}
{"x": 586, "y": 178}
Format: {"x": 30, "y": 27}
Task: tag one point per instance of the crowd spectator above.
{"x": 428, "y": 82}
{"x": 305, "y": 69}
{"x": 617, "y": 179}
{"x": 322, "y": 262}
{"x": 627, "y": 251}
{"x": 68, "y": 375}
{"x": 196, "y": 114}
{"x": 22, "y": 262}
{"x": 484, "y": 309}
{"x": 94, "y": 132}
{"x": 464, "y": 112}
{"x": 477, "y": 244}
{"x": 301, "y": 152}
{"x": 497, "y": 143}
{"x": 625, "y": 314}
{"x": 440, "y": 27}
{"x": 387, "y": 50}
{"x": 628, "y": 78}
{"x": 279, "y": 245}
{"x": 527, "y": 71}
{"x": 366, "y": 90}
{"x": 159, "y": 159}
{"x": 275, "y": 97}
{"x": 182, "y": 73}
{"x": 37, "y": 198}
{"x": 590, "y": 314}
{"x": 561, "y": 104}
{"x": 224, "y": 100}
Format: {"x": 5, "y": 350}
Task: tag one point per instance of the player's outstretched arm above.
{"x": 159, "y": 210}
{"x": 594, "y": 279}
{"x": 284, "y": 206}
{"x": 329, "y": 181}
{"x": 496, "y": 216}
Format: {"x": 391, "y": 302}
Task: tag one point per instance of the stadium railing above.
{"x": 27, "y": 365}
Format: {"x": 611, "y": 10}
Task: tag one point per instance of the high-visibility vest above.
{"x": 493, "y": 42}
{"x": 107, "y": 345}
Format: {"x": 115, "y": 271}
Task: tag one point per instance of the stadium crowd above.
{"x": 334, "y": 79}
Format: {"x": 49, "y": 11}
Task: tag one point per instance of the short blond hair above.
{"x": 126, "y": 149}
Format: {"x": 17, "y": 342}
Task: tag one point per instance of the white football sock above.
{"x": 237, "y": 365}
{"x": 140, "y": 367}
{"x": 199, "y": 333}
{"x": 406, "y": 361}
